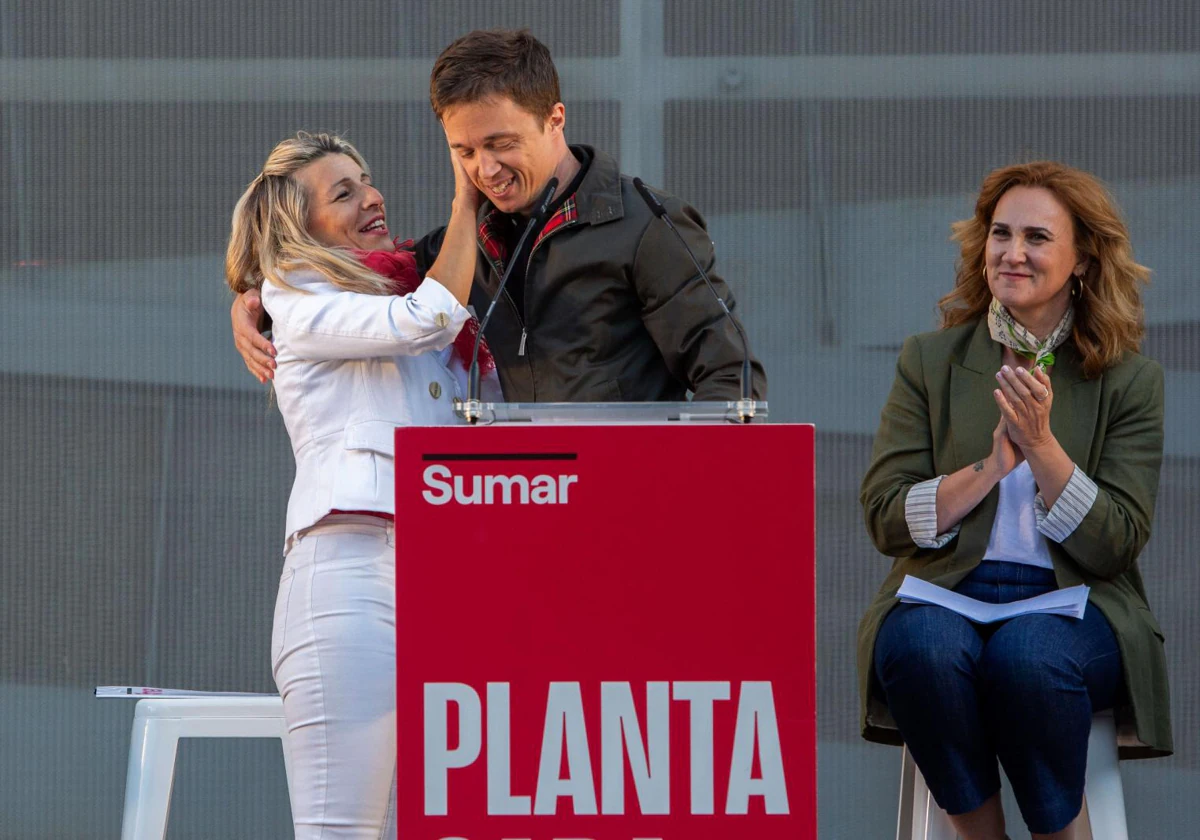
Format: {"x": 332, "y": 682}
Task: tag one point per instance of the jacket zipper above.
{"x": 529, "y": 262}
{"x": 499, "y": 269}
{"x": 512, "y": 304}
{"x": 539, "y": 242}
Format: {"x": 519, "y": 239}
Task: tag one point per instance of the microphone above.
{"x": 746, "y": 404}
{"x": 536, "y": 219}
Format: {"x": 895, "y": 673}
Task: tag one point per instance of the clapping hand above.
{"x": 1006, "y": 455}
{"x": 1025, "y": 399}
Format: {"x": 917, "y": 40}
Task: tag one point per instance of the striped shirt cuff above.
{"x": 1073, "y": 504}
{"x": 920, "y": 512}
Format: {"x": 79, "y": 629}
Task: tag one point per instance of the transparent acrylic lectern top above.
{"x": 611, "y": 413}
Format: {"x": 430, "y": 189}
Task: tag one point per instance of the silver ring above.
{"x": 1042, "y": 397}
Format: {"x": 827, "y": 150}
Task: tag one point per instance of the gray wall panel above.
{"x": 881, "y": 27}
{"x": 296, "y": 28}
{"x": 1016, "y": 27}
{"x": 118, "y": 181}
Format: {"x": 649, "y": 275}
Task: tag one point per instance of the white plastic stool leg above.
{"x": 920, "y": 817}
{"x": 158, "y": 724}
{"x": 149, "y": 778}
{"x": 1103, "y": 795}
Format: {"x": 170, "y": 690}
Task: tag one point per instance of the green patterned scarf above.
{"x": 1005, "y": 330}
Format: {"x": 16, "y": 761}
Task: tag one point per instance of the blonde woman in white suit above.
{"x": 363, "y": 344}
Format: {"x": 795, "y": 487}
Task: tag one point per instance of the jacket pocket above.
{"x": 279, "y": 624}
{"x": 1150, "y": 620}
{"x": 372, "y": 435}
{"x": 609, "y": 391}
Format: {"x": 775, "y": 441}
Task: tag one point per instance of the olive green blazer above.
{"x": 939, "y": 418}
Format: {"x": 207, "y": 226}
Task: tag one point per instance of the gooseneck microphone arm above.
{"x": 536, "y": 218}
{"x": 656, "y": 207}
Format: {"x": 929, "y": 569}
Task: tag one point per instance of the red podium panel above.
{"x": 606, "y": 632}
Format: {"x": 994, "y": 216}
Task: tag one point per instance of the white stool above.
{"x": 1102, "y": 818}
{"x": 158, "y": 724}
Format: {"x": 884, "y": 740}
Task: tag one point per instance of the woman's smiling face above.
{"x": 344, "y": 210}
{"x": 1031, "y": 256}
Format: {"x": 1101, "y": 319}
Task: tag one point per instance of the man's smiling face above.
{"x": 508, "y": 152}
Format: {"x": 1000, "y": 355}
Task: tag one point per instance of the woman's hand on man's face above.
{"x": 466, "y": 195}
{"x": 1025, "y": 399}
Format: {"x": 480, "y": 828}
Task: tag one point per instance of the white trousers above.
{"x": 333, "y": 652}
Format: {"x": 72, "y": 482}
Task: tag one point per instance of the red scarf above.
{"x": 400, "y": 266}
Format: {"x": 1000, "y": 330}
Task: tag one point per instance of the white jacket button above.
{"x": 435, "y": 389}
{"x": 442, "y": 320}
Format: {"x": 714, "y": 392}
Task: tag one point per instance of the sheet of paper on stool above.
{"x": 139, "y": 692}
{"x": 1069, "y": 602}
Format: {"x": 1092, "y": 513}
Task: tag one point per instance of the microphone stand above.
{"x": 744, "y": 406}
{"x": 472, "y": 408}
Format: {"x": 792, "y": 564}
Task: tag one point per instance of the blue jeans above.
{"x": 1022, "y": 691}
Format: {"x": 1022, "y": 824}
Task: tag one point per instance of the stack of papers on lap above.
{"x": 138, "y": 692}
{"x": 1069, "y": 602}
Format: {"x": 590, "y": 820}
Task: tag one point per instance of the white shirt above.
{"x": 1015, "y": 536}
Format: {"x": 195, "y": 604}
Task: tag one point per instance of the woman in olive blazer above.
{"x": 955, "y": 405}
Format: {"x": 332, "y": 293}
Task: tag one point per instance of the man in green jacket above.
{"x": 603, "y": 303}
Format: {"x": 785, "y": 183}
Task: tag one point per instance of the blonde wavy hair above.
{"x": 1108, "y": 306}
{"x": 269, "y": 234}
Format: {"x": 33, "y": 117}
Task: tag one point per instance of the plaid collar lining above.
{"x": 493, "y": 241}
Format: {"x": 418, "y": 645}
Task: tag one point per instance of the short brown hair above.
{"x": 491, "y": 62}
{"x": 1109, "y": 313}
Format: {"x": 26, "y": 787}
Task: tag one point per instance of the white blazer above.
{"x": 352, "y": 367}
